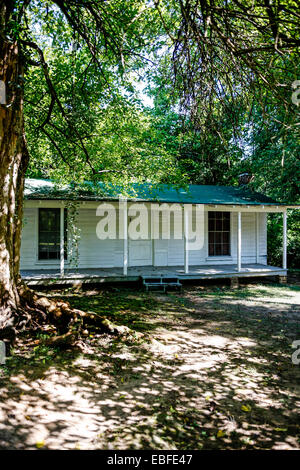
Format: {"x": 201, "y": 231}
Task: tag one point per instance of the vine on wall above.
{"x": 73, "y": 233}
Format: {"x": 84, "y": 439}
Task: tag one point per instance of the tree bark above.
{"x": 13, "y": 164}
{"x": 20, "y": 307}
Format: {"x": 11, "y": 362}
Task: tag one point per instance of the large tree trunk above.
{"x": 14, "y": 160}
{"x": 19, "y": 306}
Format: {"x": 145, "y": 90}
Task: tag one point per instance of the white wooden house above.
{"x": 232, "y": 228}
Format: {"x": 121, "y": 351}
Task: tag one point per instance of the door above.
{"x": 140, "y": 252}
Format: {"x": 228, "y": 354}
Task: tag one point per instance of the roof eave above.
{"x": 212, "y": 203}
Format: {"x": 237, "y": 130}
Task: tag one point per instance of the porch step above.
{"x": 161, "y": 283}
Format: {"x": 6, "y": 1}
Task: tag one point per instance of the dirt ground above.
{"x": 213, "y": 371}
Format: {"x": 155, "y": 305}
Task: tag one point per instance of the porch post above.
{"x": 284, "y": 254}
{"x": 62, "y": 241}
{"x": 125, "y": 238}
{"x": 257, "y": 236}
{"x": 152, "y": 219}
{"x": 239, "y": 241}
{"x": 186, "y": 239}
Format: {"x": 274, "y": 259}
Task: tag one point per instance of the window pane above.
{"x": 226, "y": 225}
{"x": 49, "y": 234}
{"x": 211, "y": 224}
{"x": 219, "y": 233}
{"x": 226, "y": 237}
{"x": 219, "y": 225}
{"x": 218, "y": 237}
{"x": 211, "y": 249}
{"x": 218, "y": 249}
{"x": 226, "y": 249}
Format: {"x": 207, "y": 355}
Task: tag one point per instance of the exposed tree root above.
{"x": 66, "y": 340}
{"x": 37, "y": 313}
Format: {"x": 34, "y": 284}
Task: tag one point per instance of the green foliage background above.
{"x": 126, "y": 140}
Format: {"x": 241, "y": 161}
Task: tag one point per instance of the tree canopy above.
{"x": 219, "y": 73}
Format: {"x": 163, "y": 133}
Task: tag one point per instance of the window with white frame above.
{"x": 218, "y": 233}
{"x": 49, "y": 234}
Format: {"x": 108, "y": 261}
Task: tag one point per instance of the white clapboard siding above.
{"x": 96, "y": 253}
{"x": 175, "y": 252}
{"x": 248, "y": 240}
{"x": 262, "y": 238}
{"x": 140, "y": 249}
{"x": 93, "y": 252}
{"x": 29, "y": 239}
{"x": 170, "y": 252}
{"x": 160, "y": 246}
{"x": 198, "y": 256}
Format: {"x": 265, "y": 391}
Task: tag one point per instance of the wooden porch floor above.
{"x": 78, "y": 276}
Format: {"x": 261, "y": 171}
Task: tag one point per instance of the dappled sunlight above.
{"x": 255, "y": 291}
{"x": 208, "y": 375}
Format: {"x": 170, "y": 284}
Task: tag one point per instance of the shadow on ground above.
{"x": 213, "y": 372}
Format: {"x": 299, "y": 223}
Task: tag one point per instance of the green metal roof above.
{"x": 195, "y": 194}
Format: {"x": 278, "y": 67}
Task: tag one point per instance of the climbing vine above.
{"x": 73, "y": 233}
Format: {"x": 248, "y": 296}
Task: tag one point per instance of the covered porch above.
{"x": 229, "y": 225}
{"x": 187, "y": 270}
{"x": 134, "y": 274}
{"x": 216, "y": 268}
